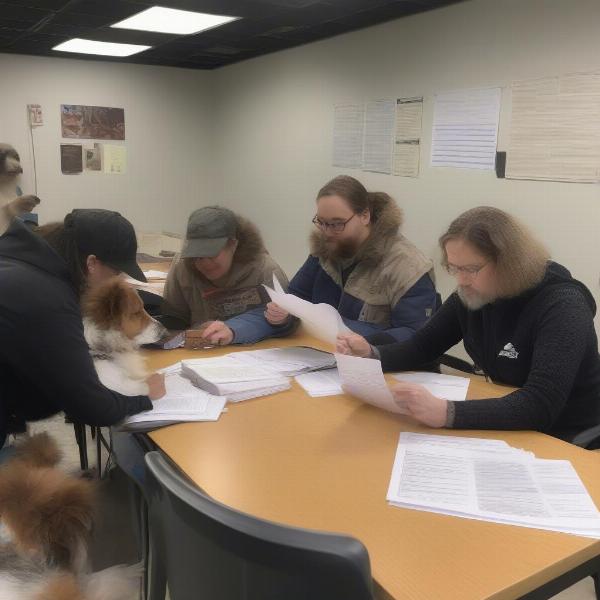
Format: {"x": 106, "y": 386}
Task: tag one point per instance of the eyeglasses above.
{"x": 469, "y": 270}
{"x": 336, "y": 226}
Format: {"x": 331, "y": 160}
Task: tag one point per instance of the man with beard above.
{"x": 524, "y": 322}
{"x": 380, "y": 283}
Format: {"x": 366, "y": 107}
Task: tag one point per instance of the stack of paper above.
{"x": 449, "y": 387}
{"x": 319, "y": 320}
{"x": 321, "y": 383}
{"x": 287, "y": 361}
{"x": 491, "y": 481}
{"x": 182, "y": 402}
{"x": 224, "y": 376}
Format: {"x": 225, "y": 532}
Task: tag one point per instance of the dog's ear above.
{"x": 105, "y": 304}
{"x": 39, "y": 450}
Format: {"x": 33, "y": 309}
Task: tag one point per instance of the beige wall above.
{"x": 257, "y": 136}
{"x": 274, "y": 122}
{"x": 168, "y": 129}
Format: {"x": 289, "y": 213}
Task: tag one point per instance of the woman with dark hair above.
{"x": 524, "y": 321}
{"x": 45, "y": 364}
{"x": 380, "y": 283}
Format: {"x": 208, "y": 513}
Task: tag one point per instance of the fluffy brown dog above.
{"x": 48, "y": 516}
{"x": 115, "y": 326}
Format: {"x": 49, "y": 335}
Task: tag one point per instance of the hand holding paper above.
{"x": 319, "y": 320}
{"x": 363, "y": 378}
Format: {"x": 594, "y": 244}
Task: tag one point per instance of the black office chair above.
{"x": 205, "y": 549}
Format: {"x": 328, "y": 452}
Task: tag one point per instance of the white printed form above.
{"x": 465, "y": 129}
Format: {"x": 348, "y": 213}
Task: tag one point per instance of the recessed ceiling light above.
{"x": 171, "y": 20}
{"x": 81, "y": 46}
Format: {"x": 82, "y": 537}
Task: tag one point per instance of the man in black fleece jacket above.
{"x": 45, "y": 364}
{"x": 524, "y": 322}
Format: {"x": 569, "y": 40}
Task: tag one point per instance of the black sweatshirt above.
{"x": 542, "y": 341}
{"x": 45, "y": 364}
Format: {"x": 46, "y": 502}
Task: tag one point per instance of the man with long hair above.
{"x": 524, "y": 320}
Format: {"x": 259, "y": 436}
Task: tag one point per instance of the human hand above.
{"x": 353, "y": 344}
{"x": 421, "y": 404}
{"x": 216, "y": 332}
{"x": 275, "y": 315}
{"x": 156, "y": 386}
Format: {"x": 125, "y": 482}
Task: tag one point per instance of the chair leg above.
{"x": 81, "y": 439}
{"x": 596, "y": 578}
{"x": 98, "y": 451}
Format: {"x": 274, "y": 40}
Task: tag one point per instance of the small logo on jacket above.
{"x": 509, "y": 351}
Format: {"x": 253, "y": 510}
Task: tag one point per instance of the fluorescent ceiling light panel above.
{"x": 81, "y": 46}
{"x": 171, "y": 20}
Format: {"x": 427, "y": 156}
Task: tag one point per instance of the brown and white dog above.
{"x": 47, "y": 518}
{"x": 115, "y": 326}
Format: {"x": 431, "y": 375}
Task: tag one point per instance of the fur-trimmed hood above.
{"x": 250, "y": 242}
{"x": 386, "y": 220}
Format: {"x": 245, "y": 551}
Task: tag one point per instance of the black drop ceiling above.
{"x": 36, "y": 26}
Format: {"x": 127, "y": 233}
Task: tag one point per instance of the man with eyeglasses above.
{"x": 380, "y": 283}
{"x": 524, "y": 322}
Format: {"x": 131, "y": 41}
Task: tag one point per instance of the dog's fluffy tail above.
{"x": 39, "y": 450}
{"x": 115, "y": 583}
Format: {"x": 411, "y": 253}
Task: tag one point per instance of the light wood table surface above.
{"x": 325, "y": 463}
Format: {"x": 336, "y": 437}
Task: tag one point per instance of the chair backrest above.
{"x": 211, "y": 551}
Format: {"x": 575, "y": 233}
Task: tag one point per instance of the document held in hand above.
{"x": 363, "y": 378}
{"x": 322, "y": 321}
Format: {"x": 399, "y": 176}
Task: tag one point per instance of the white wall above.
{"x": 275, "y": 116}
{"x": 168, "y": 130}
{"x": 257, "y": 136}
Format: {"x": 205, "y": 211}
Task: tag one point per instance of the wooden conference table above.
{"x": 325, "y": 463}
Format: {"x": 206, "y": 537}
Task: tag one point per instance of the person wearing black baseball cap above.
{"x": 45, "y": 364}
{"x": 108, "y": 237}
{"x": 218, "y": 278}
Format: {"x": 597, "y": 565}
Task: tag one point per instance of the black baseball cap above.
{"x": 108, "y": 235}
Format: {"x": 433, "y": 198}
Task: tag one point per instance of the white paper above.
{"x": 348, "y": 131}
{"x": 379, "y": 136}
{"x": 407, "y": 148}
{"x": 321, "y": 383}
{"x": 465, "y": 129}
{"x": 503, "y": 486}
{"x": 226, "y": 369}
{"x": 441, "y": 442}
{"x": 153, "y": 274}
{"x": 225, "y": 376}
{"x": 182, "y": 402}
{"x": 288, "y": 361}
{"x": 114, "y": 159}
{"x": 363, "y": 378}
{"x": 319, "y": 320}
{"x": 155, "y": 287}
{"x": 448, "y": 387}
{"x": 555, "y": 129}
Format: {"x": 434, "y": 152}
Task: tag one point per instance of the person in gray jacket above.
{"x": 218, "y": 277}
